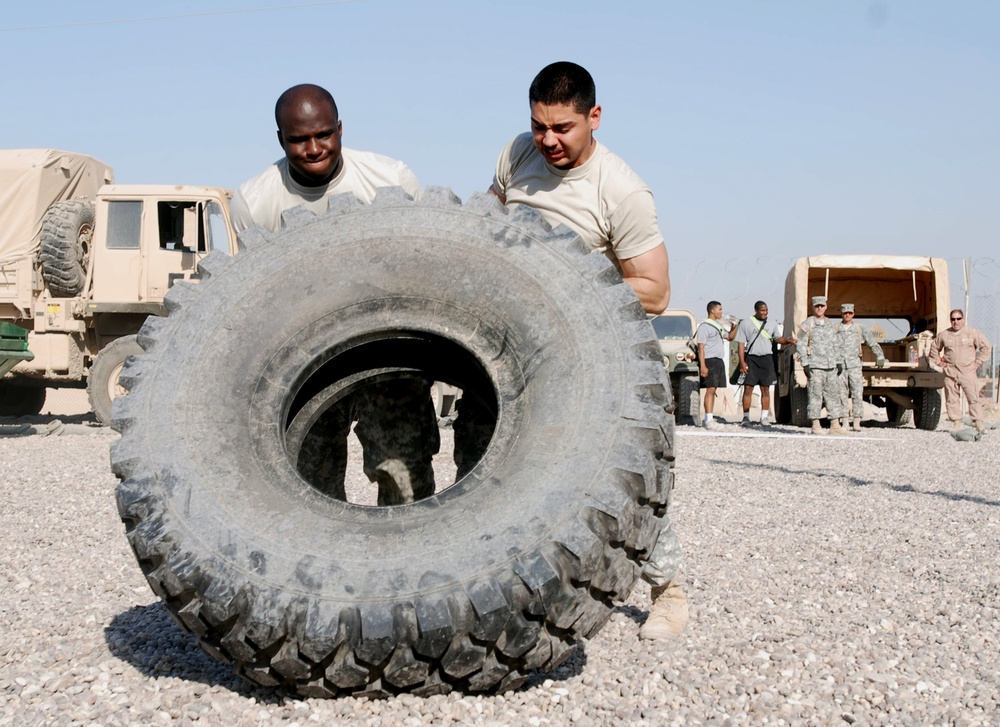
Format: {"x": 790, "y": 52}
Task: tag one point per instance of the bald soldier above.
{"x": 396, "y": 423}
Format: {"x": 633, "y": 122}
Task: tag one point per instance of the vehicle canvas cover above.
{"x": 31, "y": 180}
{"x": 904, "y": 286}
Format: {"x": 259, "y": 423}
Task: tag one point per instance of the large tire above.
{"x": 103, "y": 386}
{"x": 927, "y": 409}
{"x": 688, "y": 401}
{"x": 67, "y": 231}
{"x": 20, "y": 400}
{"x": 471, "y": 588}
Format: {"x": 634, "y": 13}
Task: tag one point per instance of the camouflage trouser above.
{"x": 823, "y": 384}
{"x": 398, "y": 430}
{"x": 665, "y": 560}
{"x": 851, "y": 389}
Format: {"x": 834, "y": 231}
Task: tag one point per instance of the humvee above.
{"x": 675, "y": 328}
{"x": 904, "y": 300}
{"x": 83, "y": 262}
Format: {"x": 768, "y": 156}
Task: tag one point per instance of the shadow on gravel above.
{"x": 147, "y": 638}
{"x": 859, "y": 482}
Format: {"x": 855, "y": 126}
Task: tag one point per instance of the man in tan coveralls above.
{"x": 961, "y": 351}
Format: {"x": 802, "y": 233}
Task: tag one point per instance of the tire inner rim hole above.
{"x": 390, "y": 418}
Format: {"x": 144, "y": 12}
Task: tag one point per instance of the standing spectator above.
{"x": 851, "y": 336}
{"x": 819, "y": 352}
{"x": 710, "y": 338}
{"x": 961, "y": 350}
{"x": 755, "y": 338}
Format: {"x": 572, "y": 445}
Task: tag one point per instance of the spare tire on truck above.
{"x": 471, "y": 588}
{"x": 67, "y": 231}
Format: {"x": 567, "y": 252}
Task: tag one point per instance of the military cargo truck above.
{"x": 903, "y": 300}
{"x": 83, "y": 262}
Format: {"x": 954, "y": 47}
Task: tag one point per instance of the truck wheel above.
{"x": 927, "y": 409}
{"x": 444, "y": 397}
{"x": 67, "y": 231}
{"x": 471, "y": 588}
{"x": 102, "y": 382}
{"x": 800, "y": 406}
{"x": 896, "y": 414}
{"x": 19, "y": 400}
{"x": 688, "y": 400}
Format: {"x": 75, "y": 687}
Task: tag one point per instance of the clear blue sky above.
{"x": 767, "y": 130}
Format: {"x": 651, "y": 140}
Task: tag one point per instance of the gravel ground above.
{"x": 831, "y": 580}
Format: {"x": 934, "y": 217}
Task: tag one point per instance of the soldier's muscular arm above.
{"x": 649, "y": 276}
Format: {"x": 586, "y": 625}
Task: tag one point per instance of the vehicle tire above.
{"x": 102, "y": 381}
{"x": 471, "y": 588}
{"x": 896, "y": 414}
{"x": 444, "y": 397}
{"x": 799, "y": 400}
{"x": 20, "y": 400}
{"x": 688, "y": 402}
{"x": 927, "y": 409}
{"x": 67, "y": 231}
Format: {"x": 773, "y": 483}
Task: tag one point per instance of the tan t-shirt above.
{"x": 262, "y": 199}
{"x": 603, "y": 200}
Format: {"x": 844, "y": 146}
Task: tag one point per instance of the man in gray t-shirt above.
{"x": 756, "y": 337}
{"x": 711, "y": 336}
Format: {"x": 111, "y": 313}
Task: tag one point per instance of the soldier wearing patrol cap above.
{"x": 822, "y": 360}
{"x": 851, "y": 336}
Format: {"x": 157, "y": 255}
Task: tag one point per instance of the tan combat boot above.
{"x": 980, "y": 427}
{"x": 845, "y": 422}
{"x": 817, "y": 427}
{"x": 836, "y": 429}
{"x": 668, "y": 615}
{"x": 857, "y": 424}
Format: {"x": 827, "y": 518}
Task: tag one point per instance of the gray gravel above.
{"x": 831, "y": 581}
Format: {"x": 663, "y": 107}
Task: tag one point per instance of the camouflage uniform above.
{"x": 819, "y": 350}
{"x": 851, "y": 381}
{"x": 397, "y": 428}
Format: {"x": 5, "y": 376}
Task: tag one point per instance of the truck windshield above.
{"x": 667, "y": 326}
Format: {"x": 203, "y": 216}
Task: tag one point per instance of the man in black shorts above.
{"x": 710, "y": 337}
{"x": 755, "y": 337}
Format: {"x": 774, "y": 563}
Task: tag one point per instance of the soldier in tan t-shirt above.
{"x": 561, "y": 170}
{"x": 396, "y": 422}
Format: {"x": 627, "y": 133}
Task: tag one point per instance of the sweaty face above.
{"x": 310, "y": 135}
{"x": 564, "y": 136}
